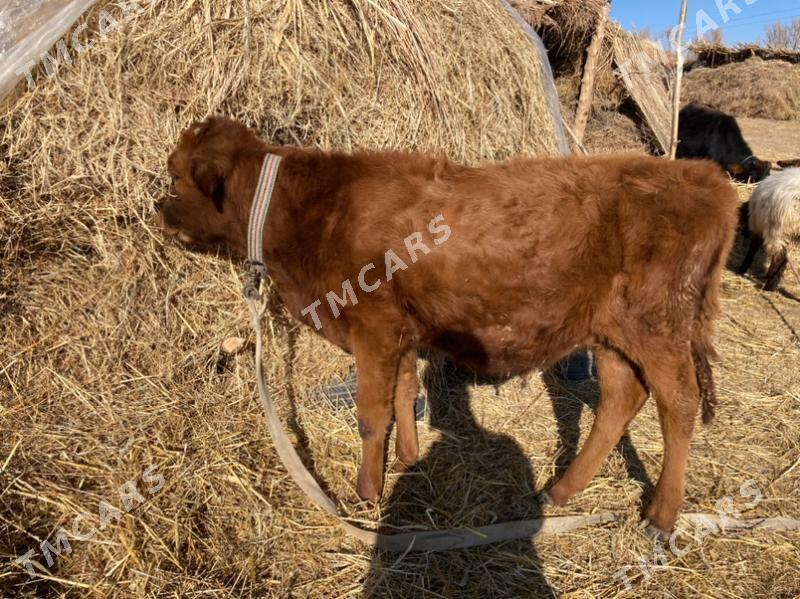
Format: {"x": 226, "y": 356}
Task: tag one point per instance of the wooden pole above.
{"x": 676, "y": 93}
{"x": 589, "y": 74}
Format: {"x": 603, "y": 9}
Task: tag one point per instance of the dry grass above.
{"x": 567, "y": 28}
{"x": 715, "y": 55}
{"x": 608, "y": 95}
{"x": 111, "y": 362}
{"x": 610, "y": 131}
{"x": 647, "y": 74}
{"x": 755, "y": 88}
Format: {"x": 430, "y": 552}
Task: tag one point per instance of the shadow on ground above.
{"x": 473, "y": 477}
{"x": 470, "y": 477}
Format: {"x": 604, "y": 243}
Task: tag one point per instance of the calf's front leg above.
{"x": 376, "y": 367}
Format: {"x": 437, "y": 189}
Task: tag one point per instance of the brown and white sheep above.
{"x": 773, "y": 218}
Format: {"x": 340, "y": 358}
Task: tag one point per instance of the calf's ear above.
{"x": 209, "y": 178}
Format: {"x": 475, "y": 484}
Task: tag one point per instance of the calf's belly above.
{"x": 512, "y": 348}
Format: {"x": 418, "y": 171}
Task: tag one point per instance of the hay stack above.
{"x": 647, "y": 72}
{"x": 622, "y": 84}
{"x": 715, "y": 55}
{"x": 111, "y": 356}
{"x": 566, "y": 28}
{"x": 610, "y": 131}
{"x": 755, "y": 88}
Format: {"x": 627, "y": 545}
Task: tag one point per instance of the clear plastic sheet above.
{"x": 29, "y": 28}
{"x": 547, "y": 76}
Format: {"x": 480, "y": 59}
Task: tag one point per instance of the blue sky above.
{"x": 746, "y": 26}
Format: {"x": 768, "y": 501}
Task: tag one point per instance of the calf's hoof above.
{"x": 369, "y": 490}
{"x": 401, "y": 467}
{"x": 544, "y": 499}
{"x": 405, "y": 459}
{"x": 556, "y": 495}
{"x": 654, "y": 533}
{"x": 659, "y": 522}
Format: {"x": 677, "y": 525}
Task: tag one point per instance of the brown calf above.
{"x": 507, "y": 268}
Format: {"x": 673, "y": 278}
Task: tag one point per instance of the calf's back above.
{"x": 542, "y": 255}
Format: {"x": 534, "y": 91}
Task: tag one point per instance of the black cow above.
{"x": 708, "y": 133}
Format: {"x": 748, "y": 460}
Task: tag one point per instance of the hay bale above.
{"x": 112, "y": 336}
{"x": 755, "y": 88}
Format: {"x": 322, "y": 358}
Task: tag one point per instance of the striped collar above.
{"x": 256, "y": 268}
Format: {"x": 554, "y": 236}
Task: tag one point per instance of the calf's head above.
{"x": 204, "y": 206}
{"x": 752, "y": 169}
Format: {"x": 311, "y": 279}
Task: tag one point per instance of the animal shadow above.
{"x": 470, "y": 477}
{"x": 572, "y": 386}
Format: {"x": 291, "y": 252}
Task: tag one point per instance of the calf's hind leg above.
{"x": 671, "y": 374}
{"x": 622, "y": 395}
{"x": 405, "y": 399}
{"x": 377, "y": 368}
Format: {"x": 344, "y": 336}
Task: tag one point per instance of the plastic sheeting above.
{"x": 549, "y": 82}
{"x": 28, "y": 28}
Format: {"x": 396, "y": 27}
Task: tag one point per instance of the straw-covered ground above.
{"x": 125, "y": 424}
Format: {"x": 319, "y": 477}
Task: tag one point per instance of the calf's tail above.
{"x": 702, "y": 353}
{"x": 707, "y": 310}
{"x": 702, "y": 346}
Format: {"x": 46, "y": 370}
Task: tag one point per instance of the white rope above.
{"x": 726, "y": 523}
{"x": 417, "y": 541}
{"x": 459, "y": 538}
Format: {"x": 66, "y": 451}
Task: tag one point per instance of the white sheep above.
{"x": 773, "y": 217}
